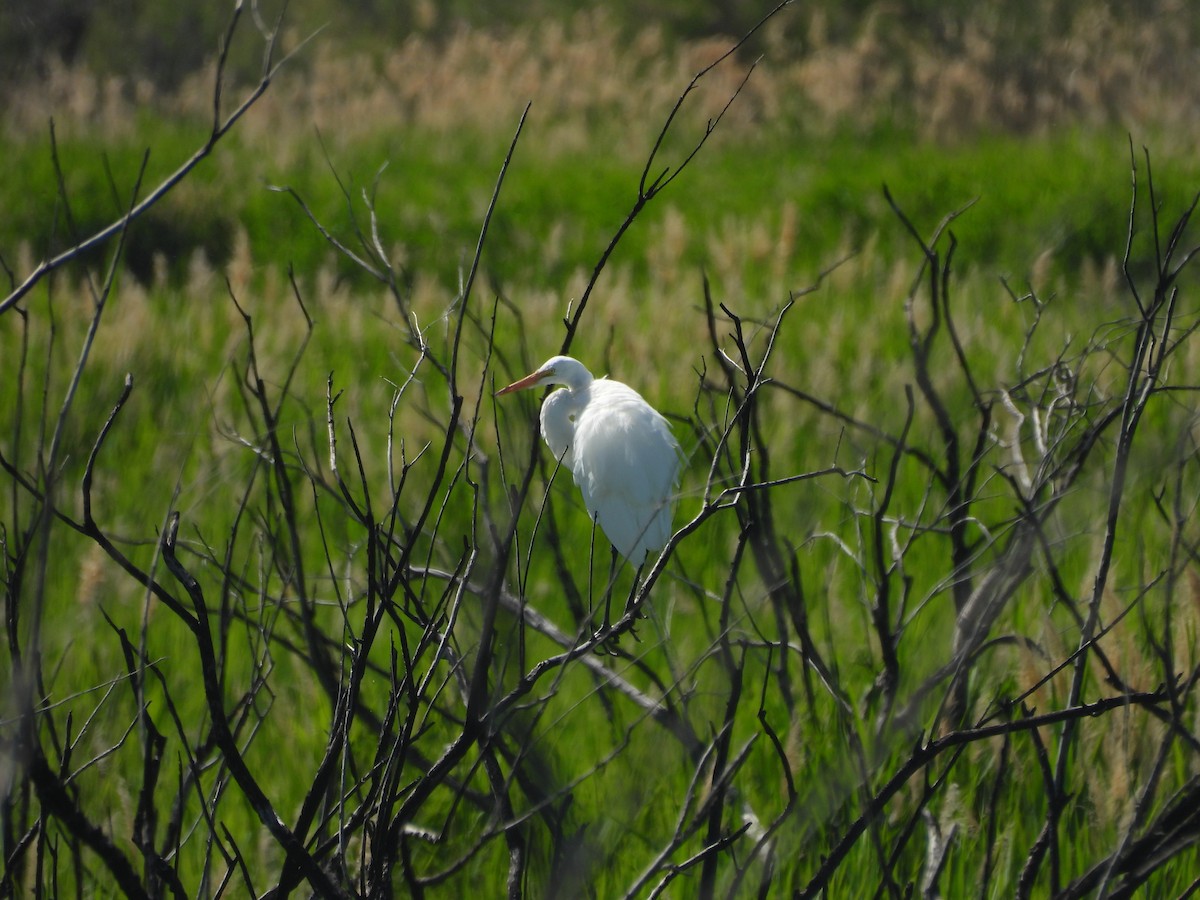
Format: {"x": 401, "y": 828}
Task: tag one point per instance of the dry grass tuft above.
{"x": 1096, "y": 68}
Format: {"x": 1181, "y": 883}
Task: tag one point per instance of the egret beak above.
{"x": 527, "y": 382}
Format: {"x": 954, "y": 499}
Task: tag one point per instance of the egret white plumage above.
{"x": 619, "y": 449}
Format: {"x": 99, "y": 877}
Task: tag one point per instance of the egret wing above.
{"x": 626, "y": 464}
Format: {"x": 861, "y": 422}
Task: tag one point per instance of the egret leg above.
{"x": 629, "y": 600}
{"x": 591, "y": 594}
{"x": 608, "y": 589}
{"x": 612, "y": 568}
{"x": 610, "y": 645}
{"x": 633, "y": 591}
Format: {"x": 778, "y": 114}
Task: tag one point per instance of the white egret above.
{"x": 619, "y": 448}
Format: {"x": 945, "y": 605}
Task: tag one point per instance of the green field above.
{"x": 293, "y": 603}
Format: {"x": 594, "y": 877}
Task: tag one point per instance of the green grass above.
{"x": 1062, "y": 195}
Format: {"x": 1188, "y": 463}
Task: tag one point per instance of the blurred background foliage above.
{"x": 160, "y": 41}
{"x": 1026, "y": 106}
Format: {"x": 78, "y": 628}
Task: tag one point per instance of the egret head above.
{"x": 555, "y": 370}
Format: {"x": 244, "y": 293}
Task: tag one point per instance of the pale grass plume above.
{"x": 587, "y": 76}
